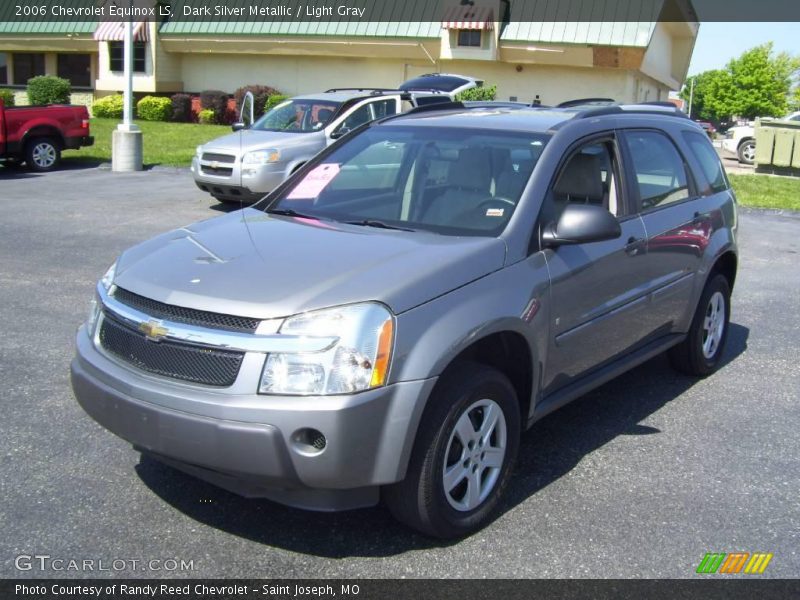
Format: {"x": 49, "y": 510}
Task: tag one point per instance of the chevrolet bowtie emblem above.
{"x": 153, "y": 330}
{"x": 214, "y": 164}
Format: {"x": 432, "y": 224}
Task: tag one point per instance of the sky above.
{"x": 717, "y": 43}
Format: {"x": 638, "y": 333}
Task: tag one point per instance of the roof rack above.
{"x": 373, "y": 90}
{"x": 646, "y": 108}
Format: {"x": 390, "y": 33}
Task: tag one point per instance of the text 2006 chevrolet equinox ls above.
{"x": 388, "y": 320}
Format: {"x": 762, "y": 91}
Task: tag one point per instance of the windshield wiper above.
{"x": 290, "y": 212}
{"x": 378, "y": 224}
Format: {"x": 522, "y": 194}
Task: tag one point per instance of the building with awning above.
{"x": 630, "y": 51}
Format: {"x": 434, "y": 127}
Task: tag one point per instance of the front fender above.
{"x": 513, "y": 299}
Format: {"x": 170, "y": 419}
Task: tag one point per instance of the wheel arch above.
{"x": 48, "y": 131}
{"x": 726, "y": 264}
{"x": 507, "y": 351}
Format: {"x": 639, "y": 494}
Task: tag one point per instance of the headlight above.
{"x": 198, "y": 152}
{"x": 261, "y": 157}
{"x": 358, "y": 361}
{"x": 108, "y": 278}
{"x": 106, "y": 281}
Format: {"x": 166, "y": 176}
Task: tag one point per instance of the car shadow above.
{"x": 550, "y": 450}
{"x": 227, "y": 207}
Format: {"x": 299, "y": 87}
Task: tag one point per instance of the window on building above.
{"x": 76, "y": 68}
{"x": 660, "y": 172}
{"x": 116, "y": 53}
{"x": 470, "y": 38}
{"x": 26, "y": 66}
{"x": 3, "y": 68}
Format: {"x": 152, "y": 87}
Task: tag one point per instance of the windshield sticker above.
{"x": 314, "y": 182}
{"x": 495, "y": 212}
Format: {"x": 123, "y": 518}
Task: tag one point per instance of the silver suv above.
{"x": 391, "y": 318}
{"x": 246, "y": 164}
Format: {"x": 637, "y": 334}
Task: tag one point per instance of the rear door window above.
{"x": 658, "y": 169}
{"x": 709, "y": 162}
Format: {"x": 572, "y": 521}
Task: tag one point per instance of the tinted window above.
{"x": 75, "y": 68}
{"x": 469, "y": 37}
{"x": 27, "y": 66}
{"x": 116, "y": 57}
{"x": 658, "y": 169}
{"x": 705, "y": 154}
{"x": 447, "y": 180}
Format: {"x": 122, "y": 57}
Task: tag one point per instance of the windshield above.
{"x": 300, "y": 116}
{"x": 446, "y": 180}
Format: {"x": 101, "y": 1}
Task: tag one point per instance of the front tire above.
{"x": 747, "y": 152}
{"x": 463, "y": 455}
{"x": 42, "y": 154}
{"x": 699, "y": 354}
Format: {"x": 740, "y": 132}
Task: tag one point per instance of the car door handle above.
{"x": 634, "y": 245}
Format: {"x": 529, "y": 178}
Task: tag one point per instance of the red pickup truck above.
{"x": 38, "y": 134}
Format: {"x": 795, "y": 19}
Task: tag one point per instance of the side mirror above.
{"x": 238, "y": 126}
{"x": 581, "y": 224}
{"x": 341, "y": 132}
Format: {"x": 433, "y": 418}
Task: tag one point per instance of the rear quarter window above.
{"x": 708, "y": 160}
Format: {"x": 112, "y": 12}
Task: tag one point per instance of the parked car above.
{"x": 245, "y": 165}
{"x": 708, "y": 128}
{"x": 36, "y": 135}
{"x": 740, "y": 141}
{"x": 448, "y": 83}
{"x": 388, "y": 321}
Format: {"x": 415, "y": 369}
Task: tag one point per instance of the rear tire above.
{"x": 747, "y": 152}
{"x": 463, "y": 454}
{"x": 42, "y": 154}
{"x": 699, "y": 354}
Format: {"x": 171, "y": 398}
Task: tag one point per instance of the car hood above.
{"x": 247, "y": 139}
{"x": 253, "y": 264}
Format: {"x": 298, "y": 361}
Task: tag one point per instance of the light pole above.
{"x": 691, "y": 97}
{"x": 126, "y": 142}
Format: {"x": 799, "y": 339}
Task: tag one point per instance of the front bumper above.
{"x": 248, "y": 183}
{"x": 729, "y": 146}
{"x": 246, "y": 442}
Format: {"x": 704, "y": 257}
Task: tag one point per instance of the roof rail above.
{"x": 374, "y": 90}
{"x": 628, "y": 109}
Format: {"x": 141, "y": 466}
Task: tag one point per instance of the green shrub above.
{"x": 487, "y": 92}
{"x": 181, "y": 108}
{"x": 216, "y": 101}
{"x": 206, "y": 116}
{"x": 8, "y": 97}
{"x": 261, "y": 94}
{"x": 154, "y": 108}
{"x": 274, "y": 100}
{"x": 47, "y": 89}
{"x": 109, "y": 107}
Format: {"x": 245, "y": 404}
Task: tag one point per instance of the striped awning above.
{"x": 468, "y": 17}
{"x": 114, "y": 31}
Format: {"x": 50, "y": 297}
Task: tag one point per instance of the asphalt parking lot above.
{"x": 638, "y": 479}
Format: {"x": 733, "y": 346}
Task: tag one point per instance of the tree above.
{"x": 762, "y": 82}
{"x": 711, "y": 99}
{"x": 754, "y": 85}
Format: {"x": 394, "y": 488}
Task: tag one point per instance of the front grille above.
{"x": 180, "y": 314}
{"x": 171, "y": 359}
{"x": 217, "y": 171}
{"x": 223, "y": 158}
